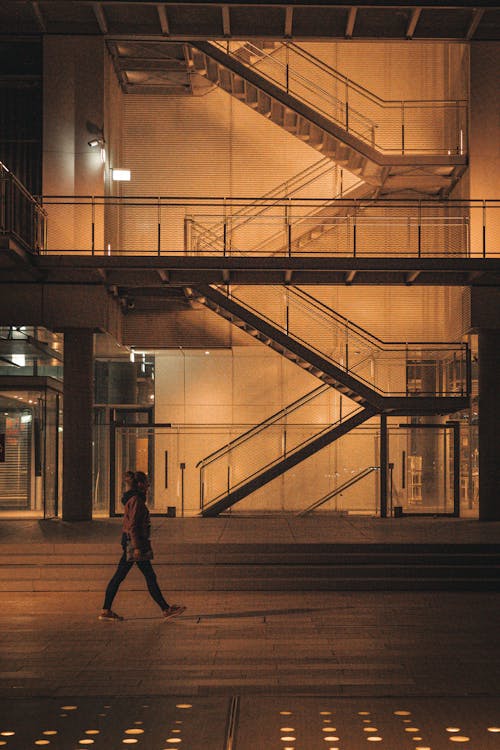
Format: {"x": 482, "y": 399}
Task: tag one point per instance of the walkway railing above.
{"x": 363, "y": 227}
{"x": 432, "y": 126}
{"x": 22, "y": 218}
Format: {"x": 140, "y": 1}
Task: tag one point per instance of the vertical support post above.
{"x": 484, "y": 229}
{"x": 384, "y": 452}
{"x": 354, "y": 239}
{"x": 456, "y": 468}
{"x": 93, "y": 225}
{"x": 402, "y": 127}
{"x": 347, "y": 104}
{"x": 419, "y": 228}
{"x": 159, "y": 228}
{"x": 78, "y": 424}
{"x": 183, "y": 468}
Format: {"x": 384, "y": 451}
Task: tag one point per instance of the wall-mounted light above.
{"x": 99, "y": 143}
{"x": 122, "y": 175}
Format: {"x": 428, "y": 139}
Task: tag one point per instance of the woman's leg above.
{"x": 120, "y": 574}
{"x": 149, "y": 574}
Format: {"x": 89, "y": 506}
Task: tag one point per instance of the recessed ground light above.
{"x": 134, "y": 731}
{"x": 138, "y": 722}
{"x": 370, "y": 729}
{"x": 42, "y": 742}
{"x": 287, "y": 729}
{"x": 288, "y": 739}
{"x": 173, "y": 740}
{"x": 50, "y": 731}
{"x": 493, "y": 729}
{"x": 423, "y": 748}
{"x": 85, "y": 742}
{"x": 453, "y": 729}
{"x": 92, "y": 731}
{"x": 3, "y": 742}
{"x": 68, "y": 708}
{"x": 412, "y": 729}
{"x": 331, "y": 739}
{"x": 7, "y": 734}
{"x": 459, "y": 738}
{"x": 363, "y": 713}
{"x": 176, "y": 731}
{"x": 129, "y": 742}
{"x": 184, "y": 705}
{"x": 285, "y": 713}
{"x": 328, "y": 729}
{"x": 325, "y": 713}
{"x": 417, "y": 739}
{"x": 374, "y": 738}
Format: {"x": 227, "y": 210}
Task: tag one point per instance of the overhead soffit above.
{"x": 297, "y": 19}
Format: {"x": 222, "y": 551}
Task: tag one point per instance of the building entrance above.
{"x": 30, "y": 452}
{"x": 424, "y": 469}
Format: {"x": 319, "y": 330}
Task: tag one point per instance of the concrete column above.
{"x": 489, "y": 425}
{"x": 77, "y": 422}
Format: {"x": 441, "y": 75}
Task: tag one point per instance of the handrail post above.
{"x": 484, "y": 229}
{"x": 93, "y": 225}
{"x": 420, "y": 228}
{"x": 287, "y": 63}
{"x": 225, "y": 228}
{"x": 402, "y": 127}
{"x": 354, "y": 239}
{"x": 202, "y": 488}
{"x": 347, "y": 104}
{"x": 288, "y": 224}
{"x": 159, "y": 227}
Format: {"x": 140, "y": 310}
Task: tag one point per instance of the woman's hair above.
{"x": 140, "y": 479}
{"x": 129, "y": 475}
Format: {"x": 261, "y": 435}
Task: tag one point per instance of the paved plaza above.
{"x": 346, "y": 664}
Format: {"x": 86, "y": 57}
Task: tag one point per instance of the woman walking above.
{"x": 136, "y": 547}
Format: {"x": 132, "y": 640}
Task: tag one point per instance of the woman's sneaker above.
{"x": 173, "y": 611}
{"x": 108, "y": 614}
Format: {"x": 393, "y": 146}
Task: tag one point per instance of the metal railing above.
{"x": 404, "y": 126}
{"x": 338, "y": 490}
{"x": 22, "y": 218}
{"x": 265, "y": 446}
{"x": 356, "y": 227}
{"x": 417, "y": 369}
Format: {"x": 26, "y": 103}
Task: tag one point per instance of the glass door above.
{"x": 131, "y": 449}
{"x": 424, "y": 469}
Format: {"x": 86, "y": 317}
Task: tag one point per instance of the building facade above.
{"x": 290, "y": 303}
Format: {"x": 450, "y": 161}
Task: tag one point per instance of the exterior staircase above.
{"x": 395, "y": 379}
{"x": 309, "y": 322}
{"x": 372, "y": 138}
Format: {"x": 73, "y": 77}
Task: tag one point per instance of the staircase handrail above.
{"x": 367, "y": 335}
{"x": 294, "y": 183}
{"x": 328, "y": 203}
{"x": 363, "y": 90}
{"x": 255, "y": 429}
{"x": 299, "y": 77}
{"x": 382, "y": 346}
{"x": 296, "y": 448}
{"x": 337, "y": 490}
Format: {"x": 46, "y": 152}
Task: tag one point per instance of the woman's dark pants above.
{"x": 121, "y": 573}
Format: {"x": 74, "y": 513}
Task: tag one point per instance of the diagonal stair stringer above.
{"x": 267, "y": 474}
{"x": 291, "y": 348}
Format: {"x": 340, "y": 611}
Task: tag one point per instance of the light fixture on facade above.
{"x": 121, "y": 175}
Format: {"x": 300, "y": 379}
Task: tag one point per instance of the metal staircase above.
{"x": 398, "y": 378}
{"x": 236, "y": 491}
{"x": 394, "y": 146}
